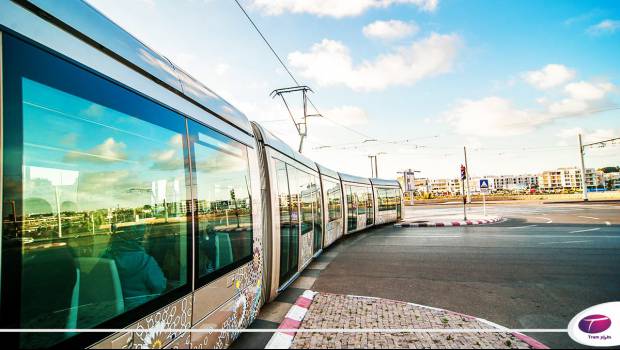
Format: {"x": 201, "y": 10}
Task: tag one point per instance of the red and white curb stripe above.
{"x": 448, "y": 223}
{"x": 292, "y": 320}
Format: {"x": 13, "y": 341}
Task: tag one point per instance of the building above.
{"x": 509, "y": 183}
{"x": 515, "y": 183}
{"x": 566, "y": 178}
{"x": 548, "y": 180}
{"x": 610, "y": 181}
{"x": 445, "y": 187}
{"x": 409, "y": 182}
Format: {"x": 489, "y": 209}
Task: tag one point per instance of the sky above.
{"x": 411, "y": 81}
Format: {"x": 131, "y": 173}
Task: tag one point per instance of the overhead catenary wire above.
{"x": 293, "y": 77}
{"x": 365, "y": 136}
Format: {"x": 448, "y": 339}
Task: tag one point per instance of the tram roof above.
{"x": 109, "y": 36}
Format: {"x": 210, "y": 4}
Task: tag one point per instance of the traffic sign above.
{"x": 484, "y": 186}
{"x": 463, "y": 172}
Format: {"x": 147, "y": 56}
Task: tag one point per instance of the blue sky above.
{"x": 514, "y": 81}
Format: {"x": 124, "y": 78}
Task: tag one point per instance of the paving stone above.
{"x": 329, "y": 311}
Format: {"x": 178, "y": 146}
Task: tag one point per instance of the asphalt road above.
{"x": 537, "y": 269}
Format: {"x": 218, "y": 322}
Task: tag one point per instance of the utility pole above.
{"x": 302, "y": 127}
{"x": 467, "y": 175}
{"x": 408, "y": 188}
{"x": 584, "y": 184}
{"x": 372, "y": 165}
{"x": 374, "y": 169}
{"x": 582, "y": 151}
{"x": 463, "y": 179}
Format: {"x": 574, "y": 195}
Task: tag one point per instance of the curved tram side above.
{"x": 157, "y": 203}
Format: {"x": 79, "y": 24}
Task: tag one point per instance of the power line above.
{"x": 292, "y": 76}
{"x": 267, "y": 42}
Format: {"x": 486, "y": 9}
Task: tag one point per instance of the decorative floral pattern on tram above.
{"x": 306, "y": 249}
{"x": 175, "y": 316}
{"x": 239, "y": 312}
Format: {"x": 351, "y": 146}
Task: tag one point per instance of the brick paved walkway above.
{"x": 340, "y": 311}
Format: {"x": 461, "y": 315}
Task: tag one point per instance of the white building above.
{"x": 566, "y": 178}
{"x": 445, "y": 186}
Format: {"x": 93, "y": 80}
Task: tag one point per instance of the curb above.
{"x": 292, "y": 320}
{"x": 535, "y": 344}
{"x": 449, "y": 223}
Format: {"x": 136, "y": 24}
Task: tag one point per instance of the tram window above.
{"x": 223, "y": 206}
{"x": 334, "y": 204}
{"x": 362, "y": 200}
{"x": 384, "y": 199}
{"x": 303, "y": 192}
{"x": 395, "y": 199}
{"x": 94, "y": 197}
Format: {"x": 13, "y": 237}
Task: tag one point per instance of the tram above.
{"x": 135, "y": 200}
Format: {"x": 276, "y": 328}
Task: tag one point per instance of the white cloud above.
{"x": 222, "y": 68}
{"x": 568, "y": 106}
{"x": 588, "y": 135}
{"x": 582, "y": 97}
{"x": 570, "y": 133}
{"x": 549, "y": 76}
{"x": 497, "y": 117}
{"x": 492, "y": 117}
{"x": 337, "y": 9}
{"x": 588, "y": 91}
{"x": 607, "y": 26}
{"x": 601, "y": 135}
{"x": 330, "y": 63}
{"x": 390, "y": 30}
{"x": 108, "y": 151}
{"x": 348, "y": 115}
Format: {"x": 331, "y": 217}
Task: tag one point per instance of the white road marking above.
{"x": 588, "y": 230}
{"x": 607, "y": 223}
{"x": 437, "y": 236}
{"x": 548, "y": 220}
{"x": 589, "y": 217}
{"x": 539, "y": 236}
{"x": 512, "y": 228}
{"x": 564, "y": 242}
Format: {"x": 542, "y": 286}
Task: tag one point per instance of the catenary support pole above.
{"x": 584, "y": 183}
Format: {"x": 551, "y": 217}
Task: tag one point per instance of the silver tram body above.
{"x": 221, "y": 257}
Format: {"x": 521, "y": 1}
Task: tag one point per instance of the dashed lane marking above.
{"x": 588, "y": 230}
{"x": 564, "y": 242}
{"x": 549, "y": 221}
{"x": 607, "y": 223}
{"x": 588, "y": 217}
{"x": 516, "y": 227}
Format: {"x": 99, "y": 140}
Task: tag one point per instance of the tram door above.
{"x": 318, "y": 215}
{"x": 351, "y": 209}
{"x": 289, "y": 230}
